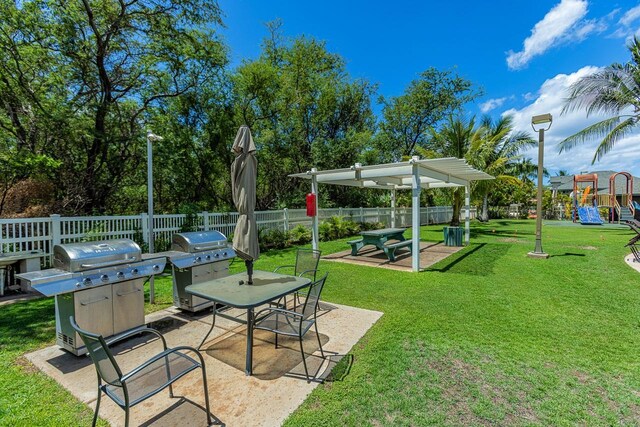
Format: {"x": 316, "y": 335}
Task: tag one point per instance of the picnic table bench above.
{"x": 380, "y": 239}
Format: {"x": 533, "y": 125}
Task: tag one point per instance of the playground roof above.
{"x": 564, "y": 184}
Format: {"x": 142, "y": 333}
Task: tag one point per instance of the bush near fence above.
{"x": 40, "y": 234}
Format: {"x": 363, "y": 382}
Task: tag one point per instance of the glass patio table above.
{"x": 229, "y": 291}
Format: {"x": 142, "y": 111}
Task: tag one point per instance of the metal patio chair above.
{"x": 146, "y": 380}
{"x": 634, "y": 248}
{"x": 306, "y": 265}
{"x": 294, "y": 323}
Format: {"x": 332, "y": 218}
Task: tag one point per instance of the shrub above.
{"x": 366, "y": 226}
{"x": 336, "y": 228}
{"x": 299, "y": 235}
{"x": 272, "y": 239}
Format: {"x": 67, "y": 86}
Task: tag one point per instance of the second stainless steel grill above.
{"x": 100, "y": 284}
{"x": 195, "y": 258}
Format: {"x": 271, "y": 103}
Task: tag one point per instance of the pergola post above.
{"x": 415, "y": 217}
{"x": 467, "y": 215}
{"x": 314, "y": 219}
{"x": 393, "y": 208}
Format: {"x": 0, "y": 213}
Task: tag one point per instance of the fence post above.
{"x": 56, "y": 233}
{"x": 340, "y": 214}
{"x": 144, "y": 225}
{"x": 205, "y": 220}
{"x": 361, "y": 214}
{"x": 285, "y": 215}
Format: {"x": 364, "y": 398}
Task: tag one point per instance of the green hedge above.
{"x": 331, "y": 229}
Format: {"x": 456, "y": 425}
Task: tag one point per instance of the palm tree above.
{"x": 526, "y": 171}
{"x": 614, "y": 90}
{"x": 454, "y": 140}
{"x": 495, "y": 150}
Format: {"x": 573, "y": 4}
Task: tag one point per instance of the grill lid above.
{"x": 93, "y": 255}
{"x": 198, "y": 241}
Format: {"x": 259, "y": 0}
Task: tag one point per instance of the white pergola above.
{"x": 414, "y": 175}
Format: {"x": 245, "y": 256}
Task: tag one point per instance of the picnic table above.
{"x": 380, "y": 239}
{"x": 233, "y": 291}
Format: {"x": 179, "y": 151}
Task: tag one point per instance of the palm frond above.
{"x": 623, "y": 129}
{"x": 596, "y": 130}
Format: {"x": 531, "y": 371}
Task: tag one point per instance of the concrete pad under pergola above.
{"x": 414, "y": 175}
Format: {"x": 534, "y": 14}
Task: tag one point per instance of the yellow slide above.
{"x": 585, "y": 194}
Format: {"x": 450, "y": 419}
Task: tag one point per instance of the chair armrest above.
{"x": 138, "y": 332}
{"x": 313, "y": 270}
{"x": 159, "y": 356}
{"x": 284, "y": 266}
{"x": 279, "y": 310}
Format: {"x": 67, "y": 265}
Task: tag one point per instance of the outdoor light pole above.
{"x": 540, "y": 120}
{"x": 151, "y": 137}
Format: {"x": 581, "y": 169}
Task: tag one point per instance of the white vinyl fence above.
{"x": 40, "y": 234}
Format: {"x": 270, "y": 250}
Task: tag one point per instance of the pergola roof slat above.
{"x": 434, "y": 173}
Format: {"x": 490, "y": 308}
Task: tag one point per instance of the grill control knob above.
{"x": 224, "y": 254}
{"x": 86, "y": 281}
{"x": 217, "y": 255}
{"x": 156, "y": 267}
{"x": 78, "y": 285}
{"x": 198, "y": 259}
{"x": 120, "y": 275}
{"x": 104, "y": 278}
{"x": 134, "y": 271}
{"x": 208, "y": 257}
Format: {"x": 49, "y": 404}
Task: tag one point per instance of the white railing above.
{"x": 40, "y": 234}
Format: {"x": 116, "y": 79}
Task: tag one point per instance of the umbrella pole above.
{"x": 249, "y": 265}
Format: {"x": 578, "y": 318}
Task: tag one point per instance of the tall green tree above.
{"x": 455, "y": 139}
{"x": 305, "y": 111}
{"x": 615, "y": 91}
{"x": 109, "y": 66}
{"x": 495, "y": 149}
{"x": 409, "y": 118}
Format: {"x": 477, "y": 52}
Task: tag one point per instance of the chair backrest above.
{"x": 307, "y": 262}
{"x": 99, "y": 352}
{"x": 313, "y": 296}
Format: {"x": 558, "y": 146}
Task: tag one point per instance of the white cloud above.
{"x": 550, "y": 99}
{"x": 562, "y": 24}
{"x": 627, "y": 24}
{"x": 492, "y": 104}
{"x": 630, "y": 16}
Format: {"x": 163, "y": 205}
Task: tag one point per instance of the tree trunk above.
{"x": 484, "y": 215}
{"x": 458, "y": 200}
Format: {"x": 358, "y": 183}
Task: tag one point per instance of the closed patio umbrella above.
{"x": 244, "y": 170}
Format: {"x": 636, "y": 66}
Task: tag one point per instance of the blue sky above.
{"x": 523, "y": 54}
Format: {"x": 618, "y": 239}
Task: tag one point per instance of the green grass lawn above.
{"x": 487, "y": 336}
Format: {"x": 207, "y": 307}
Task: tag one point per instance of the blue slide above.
{"x": 589, "y": 216}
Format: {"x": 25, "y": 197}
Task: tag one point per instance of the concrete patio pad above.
{"x": 430, "y": 253}
{"x": 264, "y": 399}
{"x": 631, "y": 262}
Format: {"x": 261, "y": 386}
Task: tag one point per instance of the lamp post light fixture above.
{"x": 151, "y": 137}
{"x": 540, "y": 121}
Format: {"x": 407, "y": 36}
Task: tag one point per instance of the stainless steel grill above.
{"x": 100, "y": 284}
{"x": 195, "y": 258}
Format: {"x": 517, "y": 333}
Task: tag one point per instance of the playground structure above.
{"x": 587, "y": 211}
{"x": 615, "y": 207}
{"x": 621, "y": 207}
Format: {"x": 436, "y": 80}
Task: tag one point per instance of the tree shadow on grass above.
{"x": 566, "y": 254}
{"x": 476, "y": 232}
{"x": 477, "y": 260}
